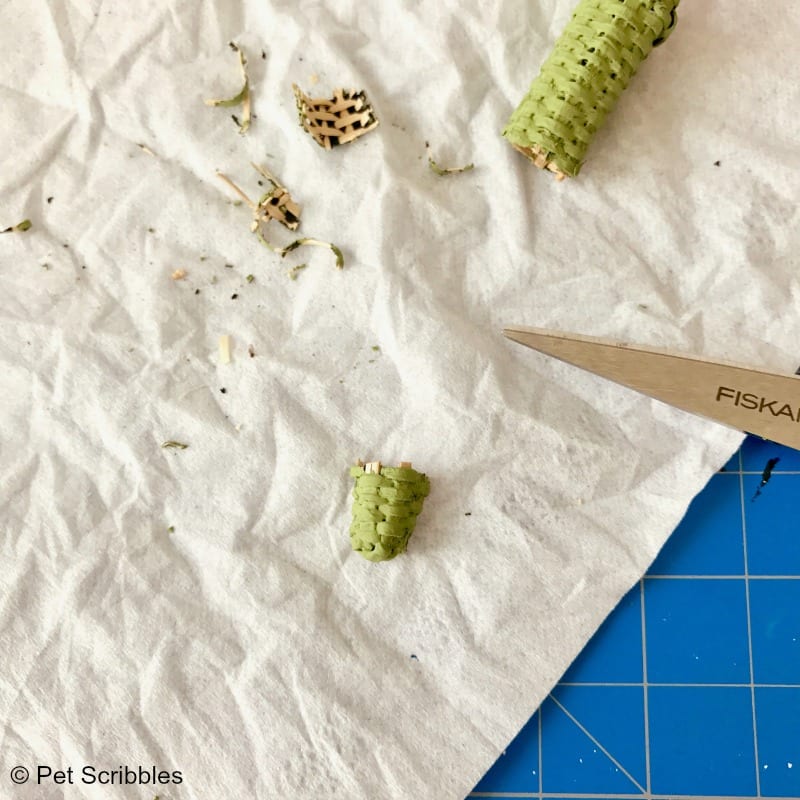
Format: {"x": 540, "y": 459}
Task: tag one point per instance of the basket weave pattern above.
{"x": 590, "y": 66}
{"x": 385, "y": 509}
{"x": 338, "y": 120}
{"x": 278, "y": 205}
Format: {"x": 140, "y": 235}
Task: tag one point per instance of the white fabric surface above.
{"x": 250, "y": 649}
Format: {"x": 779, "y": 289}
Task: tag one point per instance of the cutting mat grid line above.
{"x": 691, "y": 688}
{"x": 749, "y": 618}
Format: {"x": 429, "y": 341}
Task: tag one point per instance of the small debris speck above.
{"x": 467, "y": 513}
{"x": 250, "y": 278}
{"x": 225, "y": 349}
{"x": 151, "y": 230}
{"x": 717, "y": 163}
{"x": 171, "y": 529}
{"x": 49, "y": 200}
{"x": 197, "y": 291}
{"x": 414, "y": 658}
{"x": 223, "y": 390}
{"x": 65, "y": 245}
{"x": 229, "y": 266}
{"x": 179, "y": 274}
{"x": 263, "y": 55}
{"x": 376, "y": 348}
{"x": 234, "y": 296}
{"x": 20, "y": 227}
{"x": 251, "y": 351}
{"x": 174, "y": 445}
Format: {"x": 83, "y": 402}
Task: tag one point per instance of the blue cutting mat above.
{"x": 692, "y": 686}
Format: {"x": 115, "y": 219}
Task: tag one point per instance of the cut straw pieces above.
{"x": 336, "y": 120}
{"x": 225, "y": 349}
{"x": 278, "y": 204}
{"x": 541, "y": 160}
{"x": 241, "y": 98}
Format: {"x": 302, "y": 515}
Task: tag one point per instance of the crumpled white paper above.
{"x": 250, "y": 649}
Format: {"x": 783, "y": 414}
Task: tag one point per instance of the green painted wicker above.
{"x": 591, "y": 64}
{"x": 385, "y": 508}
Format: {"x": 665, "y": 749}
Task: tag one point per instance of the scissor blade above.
{"x": 747, "y": 399}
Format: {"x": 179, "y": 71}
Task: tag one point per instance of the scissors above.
{"x": 750, "y": 400}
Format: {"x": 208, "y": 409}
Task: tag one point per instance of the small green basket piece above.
{"x": 590, "y": 66}
{"x": 386, "y": 503}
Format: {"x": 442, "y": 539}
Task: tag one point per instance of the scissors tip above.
{"x": 515, "y": 334}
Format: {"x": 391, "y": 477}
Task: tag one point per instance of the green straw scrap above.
{"x": 590, "y": 66}
{"x": 20, "y": 227}
{"x": 241, "y": 98}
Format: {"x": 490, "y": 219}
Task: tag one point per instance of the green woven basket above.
{"x": 591, "y": 64}
{"x": 386, "y": 503}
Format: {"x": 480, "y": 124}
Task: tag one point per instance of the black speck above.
{"x": 467, "y": 513}
{"x": 236, "y": 120}
{"x": 229, "y": 266}
{"x": 263, "y": 55}
{"x": 766, "y": 475}
{"x": 151, "y": 230}
{"x": 65, "y": 245}
{"x": 83, "y": 266}
{"x": 414, "y": 658}
{"x": 197, "y": 291}
{"x": 49, "y": 200}
{"x": 717, "y": 163}
{"x": 260, "y": 183}
{"x": 234, "y": 296}
{"x": 223, "y": 390}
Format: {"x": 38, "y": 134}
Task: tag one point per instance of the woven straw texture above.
{"x": 278, "y": 204}
{"x": 590, "y": 66}
{"x": 338, "y": 120}
{"x": 385, "y": 509}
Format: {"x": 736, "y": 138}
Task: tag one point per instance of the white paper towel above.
{"x": 249, "y": 649}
